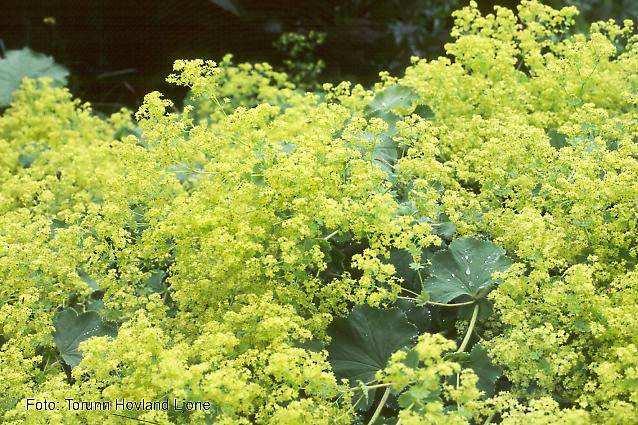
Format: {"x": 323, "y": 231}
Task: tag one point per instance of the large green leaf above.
{"x": 362, "y": 343}
{"x": 465, "y": 268}
{"x": 384, "y": 105}
{"x": 154, "y": 284}
{"x": 407, "y": 269}
{"x": 387, "y": 101}
{"x": 18, "y": 64}
{"x": 557, "y": 139}
{"x": 442, "y": 227}
{"x": 486, "y": 371}
{"x": 384, "y": 153}
{"x": 90, "y": 282}
{"x": 72, "y": 328}
{"x": 421, "y": 316}
{"x": 424, "y": 111}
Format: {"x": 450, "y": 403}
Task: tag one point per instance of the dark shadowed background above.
{"x": 118, "y": 50}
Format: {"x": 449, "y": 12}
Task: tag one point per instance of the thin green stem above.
{"x": 330, "y": 235}
{"x": 377, "y": 411}
{"x": 220, "y": 106}
{"x": 470, "y": 329}
{"x": 364, "y": 384}
{"x": 439, "y": 304}
{"x": 451, "y": 305}
{"x": 407, "y": 298}
{"x": 370, "y": 387}
{"x": 411, "y": 292}
{"x": 363, "y": 394}
{"x": 354, "y": 405}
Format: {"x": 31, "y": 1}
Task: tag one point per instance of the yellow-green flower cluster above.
{"x": 266, "y": 214}
{"x": 422, "y": 379}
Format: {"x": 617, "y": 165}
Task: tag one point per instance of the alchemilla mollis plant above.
{"x": 457, "y": 245}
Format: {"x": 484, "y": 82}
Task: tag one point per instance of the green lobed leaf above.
{"x": 419, "y": 395}
{"x": 287, "y": 147}
{"x": 90, "y": 282}
{"x": 404, "y": 267}
{"x": 25, "y": 160}
{"x": 424, "y": 111}
{"x": 384, "y": 154}
{"x": 557, "y": 139}
{"x": 465, "y": 268}
{"x": 486, "y": 371}
{"x": 95, "y": 305}
{"x": 390, "y": 99}
{"x": 384, "y": 105}
{"x": 419, "y": 315}
{"x": 444, "y": 228}
{"x": 363, "y": 342}
{"x": 72, "y": 328}
{"x": 155, "y": 282}
{"x": 18, "y": 64}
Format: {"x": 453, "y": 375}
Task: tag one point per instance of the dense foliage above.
{"x": 458, "y": 245}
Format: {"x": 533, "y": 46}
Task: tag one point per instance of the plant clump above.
{"x": 457, "y": 245}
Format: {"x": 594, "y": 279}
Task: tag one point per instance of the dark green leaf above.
{"x": 88, "y": 280}
{"x": 444, "y": 229}
{"x": 156, "y": 281}
{"x": 465, "y": 268}
{"x": 556, "y": 139}
{"x": 95, "y": 305}
{"x": 405, "y": 268}
{"x": 486, "y": 371}
{"x": 55, "y": 225}
{"x": 407, "y": 208}
{"x": 420, "y": 316}
{"x": 72, "y": 328}
{"x": 424, "y": 111}
{"x": 384, "y": 105}
{"x": 441, "y": 227}
{"x": 401, "y": 260}
{"x": 27, "y": 159}
{"x": 362, "y": 343}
